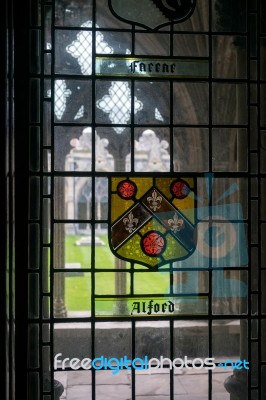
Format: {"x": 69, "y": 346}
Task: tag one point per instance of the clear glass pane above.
{"x": 112, "y": 149}
{"x": 229, "y": 17}
{"x": 191, "y": 103}
{"x": 72, "y": 246}
{"x": 72, "y": 101}
{"x": 190, "y": 45}
{"x": 229, "y": 103}
{"x": 104, "y": 258}
{"x": 152, "y": 339}
{"x": 191, "y": 339}
{"x": 229, "y": 149}
{"x": 113, "y": 103}
{"x": 72, "y": 340}
{"x": 153, "y": 384}
{"x": 73, "y": 199}
{"x": 226, "y": 340}
{"x": 118, "y": 42}
{"x": 230, "y": 292}
{"x": 199, "y": 21}
{"x": 72, "y": 13}
{"x": 105, "y": 19}
{"x": 191, "y": 158}
{"x": 113, "y": 339}
{"x": 229, "y": 61}
{"x": 151, "y": 283}
{"x": 191, "y": 384}
{"x": 152, "y": 44}
{"x": 156, "y": 109}
{"x": 113, "y": 279}
{"x": 151, "y": 153}
{"x": 77, "y": 294}
{"x": 113, "y": 384}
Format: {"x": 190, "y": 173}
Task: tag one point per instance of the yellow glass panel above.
{"x": 186, "y": 203}
{"x": 119, "y": 206}
{"x": 190, "y": 181}
{"x": 152, "y": 225}
{"x": 115, "y": 182}
{"x": 132, "y": 250}
{"x": 190, "y": 214}
{"x": 163, "y": 184}
{"x": 143, "y": 185}
{"x": 173, "y": 249}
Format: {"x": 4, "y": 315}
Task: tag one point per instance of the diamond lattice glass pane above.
{"x": 78, "y": 45}
{"x": 116, "y": 104}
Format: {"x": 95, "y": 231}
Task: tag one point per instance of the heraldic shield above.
{"x": 152, "y": 14}
{"x": 153, "y": 220}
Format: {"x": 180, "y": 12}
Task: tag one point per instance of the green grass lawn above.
{"x": 78, "y": 288}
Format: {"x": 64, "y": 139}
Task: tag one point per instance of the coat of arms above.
{"x": 153, "y": 220}
{"x": 152, "y": 13}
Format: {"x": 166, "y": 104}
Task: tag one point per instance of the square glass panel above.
{"x": 191, "y": 45}
{"x": 112, "y": 149}
{"x": 72, "y": 14}
{"x": 152, "y": 44}
{"x": 229, "y": 292}
{"x": 77, "y": 294}
{"x": 110, "y": 383}
{"x": 199, "y": 21}
{"x": 72, "y": 198}
{"x": 113, "y": 103}
{"x": 191, "y": 158}
{"x": 113, "y": 339}
{"x": 76, "y": 338}
{"x": 104, "y": 258}
{"x": 153, "y": 383}
{"x": 190, "y": 103}
{"x": 229, "y": 198}
{"x": 72, "y": 148}
{"x": 156, "y": 108}
{"x": 72, "y": 101}
{"x": 73, "y": 251}
{"x": 151, "y": 152}
{"x": 230, "y": 146}
{"x": 226, "y": 339}
{"x": 191, "y": 384}
{"x": 229, "y": 102}
{"x": 113, "y": 279}
{"x": 229, "y": 60}
{"x": 229, "y": 17}
{"x": 160, "y": 283}
{"x": 105, "y": 19}
{"x": 191, "y": 338}
{"x": 152, "y": 339}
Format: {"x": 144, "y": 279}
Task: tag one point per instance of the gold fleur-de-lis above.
{"x": 154, "y": 200}
{"x": 130, "y": 223}
{"x": 176, "y": 224}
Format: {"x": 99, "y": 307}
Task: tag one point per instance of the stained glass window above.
{"x": 149, "y": 223}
